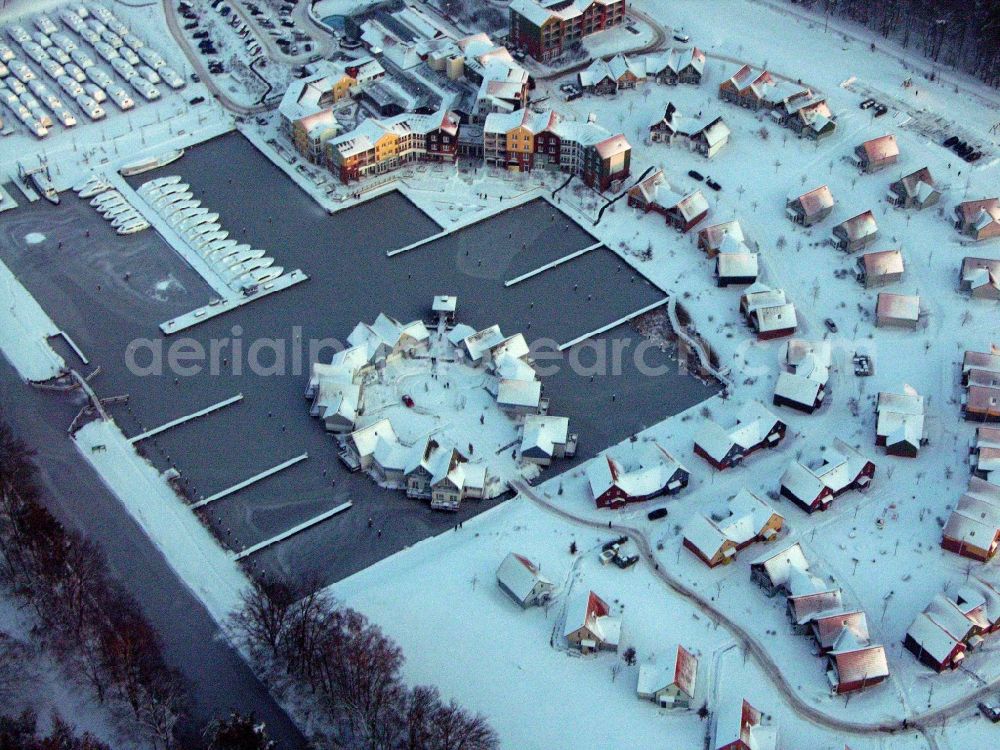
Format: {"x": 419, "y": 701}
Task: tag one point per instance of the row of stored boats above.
{"x": 112, "y": 205}
{"x": 240, "y": 265}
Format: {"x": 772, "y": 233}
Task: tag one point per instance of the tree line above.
{"x": 91, "y": 625}
{"x": 965, "y": 35}
{"x": 351, "y": 671}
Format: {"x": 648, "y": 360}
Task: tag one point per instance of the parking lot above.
{"x": 106, "y": 291}
{"x": 65, "y": 69}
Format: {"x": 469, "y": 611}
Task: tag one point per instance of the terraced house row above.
{"x": 524, "y": 140}
{"x": 546, "y": 28}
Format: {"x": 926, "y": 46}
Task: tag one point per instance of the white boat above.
{"x": 221, "y": 255}
{"x": 168, "y": 199}
{"x": 218, "y": 248}
{"x": 106, "y": 196}
{"x": 234, "y": 273}
{"x": 189, "y": 226}
{"x": 160, "y": 182}
{"x": 152, "y": 162}
{"x": 172, "y": 210}
{"x": 186, "y": 212}
{"x": 161, "y": 192}
{"x": 243, "y": 256}
{"x": 205, "y": 233}
{"x": 92, "y": 190}
{"x": 115, "y": 210}
{"x": 266, "y": 274}
{"x": 137, "y": 225}
{"x": 125, "y": 218}
{"x": 84, "y": 183}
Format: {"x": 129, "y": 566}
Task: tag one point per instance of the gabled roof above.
{"x": 858, "y": 227}
{"x": 881, "y": 148}
{"x": 613, "y": 146}
{"x": 366, "y": 438}
{"x": 883, "y": 263}
{"x": 932, "y": 638}
{"x": 816, "y": 200}
{"x": 778, "y": 565}
{"x": 859, "y": 663}
{"x": 520, "y": 575}
{"x": 541, "y": 433}
{"x": 897, "y": 307}
{"x": 972, "y": 211}
{"x": 712, "y": 236}
{"x": 742, "y": 724}
{"x": 827, "y": 628}
{"x": 590, "y": 611}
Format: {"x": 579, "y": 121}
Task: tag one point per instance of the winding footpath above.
{"x": 920, "y": 722}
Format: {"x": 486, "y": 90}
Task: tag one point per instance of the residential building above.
{"x": 768, "y": 312}
{"x": 881, "y": 268}
{"x": 807, "y": 115}
{"x": 522, "y": 581}
{"x": 803, "y": 385}
{"x": 900, "y": 427}
{"x": 914, "y": 190}
{"x": 610, "y": 76}
{"x": 634, "y": 472}
{"x": 672, "y": 687}
{"x": 973, "y": 528}
{"x": 876, "y": 154}
{"x": 814, "y": 487}
{"x": 811, "y": 207}
{"x": 771, "y": 571}
{"x": 980, "y": 277}
{"x": 590, "y": 626}
{"x": 756, "y": 428}
{"x": 897, "y": 311}
{"x": 380, "y": 146}
{"x": 934, "y": 646}
{"x": 856, "y": 233}
{"x": 547, "y": 28}
{"x": 654, "y": 193}
{"x": 799, "y": 392}
{"x": 710, "y": 238}
{"x": 979, "y": 219}
{"x": 747, "y": 87}
{"x": 545, "y": 438}
{"x": 675, "y": 129}
{"x": 524, "y": 140}
{"x": 855, "y": 664}
{"x": 736, "y": 268}
{"x": 747, "y": 520}
{"x": 676, "y": 65}
{"x": 742, "y": 728}
{"x": 981, "y": 381}
{"x": 984, "y": 454}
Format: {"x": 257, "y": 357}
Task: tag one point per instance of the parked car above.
{"x": 713, "y": 184}
{"x": 991, "y": 709}
{"x": 831, "y": 325}
{"x": 950, "y": 141}
{"x": 656, "y": 514}
{"x": 682, "y": 38}
{"x": 695, "y": 175}
{"x": 867, "y": 104}
{"x": 408, "y": 401}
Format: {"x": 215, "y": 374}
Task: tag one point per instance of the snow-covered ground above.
{"x": 47, "y": 690}
{"x": 881, "y": 546}
{"x": 188, "y": 546}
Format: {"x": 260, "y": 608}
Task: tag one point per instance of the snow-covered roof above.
{"x": 775, "y": 317}
{"x": 444, "y": 303}
{"x": 881, "y": 148}
{"x": 741, "y": 726}
{"x": 753, "y": 424}
{"x": 827, "y": 628}
{"x": 932, "y": 638}
{"x": 736, "y": 265}
{"x": 716, "y": 132}
{"x": 713, "y": 236}
{"x": 882, "y": 263}
{"x": 614, "y": 146}
{"x": 900, "y": 417}
{"x": 521, "y": 393}
{"x": 797, "y": 388}
{"x": 520, "y": 575}
{"x": 478, "y": 343}
{"x": 858, "y": 227}
{"x": 778, "y": 565}
{"x": 705, "y": 536}
{"x": 917, "y": 183}
{"x": 541, "y": 433}
{"x": 527, "y": 119}
{"x": 815, "y": 201}
{"x": 749, "y": 516}
{"x": 366, "y": 438}
{"x": 638, "y": 470}
{"x": 904, "y": 307}
{"x": 855, "y": 662}
{"x": 590, "y": 611}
